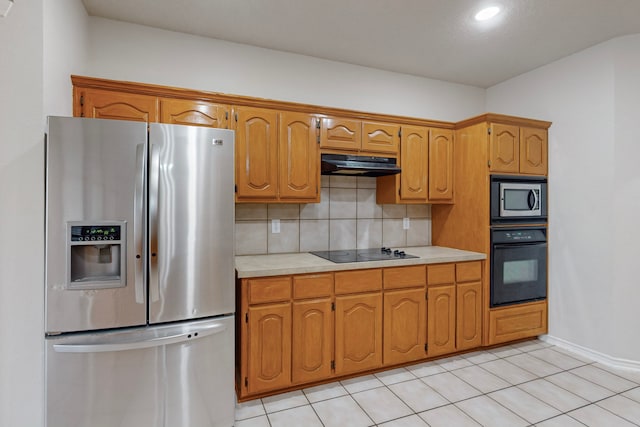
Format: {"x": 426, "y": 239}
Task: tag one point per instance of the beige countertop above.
{"x": 300, "y": 263}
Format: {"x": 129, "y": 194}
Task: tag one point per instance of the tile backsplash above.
{"x": 347, "y": 217}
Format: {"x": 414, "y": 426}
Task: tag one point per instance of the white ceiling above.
{"x": 431, "y": 38}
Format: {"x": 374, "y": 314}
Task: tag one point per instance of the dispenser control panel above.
{"x": 96, "y": 254}
{"x": 87, "y": 233}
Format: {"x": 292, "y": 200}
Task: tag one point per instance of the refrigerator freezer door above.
{"x": 191, "y": 222}
{"x": 94, "y": 172}
{"x": 165, "y": 376}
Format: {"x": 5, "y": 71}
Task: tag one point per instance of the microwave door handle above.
{"x": 532, "y": 200}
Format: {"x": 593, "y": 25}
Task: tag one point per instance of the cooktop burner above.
{"x": 362, "y": 255}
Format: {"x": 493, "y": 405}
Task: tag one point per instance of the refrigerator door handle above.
{"x": 138, "y": 222}
{"x": 124, "y": 344}
{"x": 154, "y": 176}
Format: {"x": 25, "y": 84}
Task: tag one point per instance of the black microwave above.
{"x": 518, "y": 199}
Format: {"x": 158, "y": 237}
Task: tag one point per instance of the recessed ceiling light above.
{"x": 487, "y": 13}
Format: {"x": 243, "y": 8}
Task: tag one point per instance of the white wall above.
{"x": 625, "y": 210}
{"x": 65, "y": 52}
{"x": 592, "y": 99}
{"x": 22, "y": 215}
{"x": 41, "y": 45}
{"x": 123, "y": 51}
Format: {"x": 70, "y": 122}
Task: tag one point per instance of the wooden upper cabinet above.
{"x": 411, "y": 185}
{"x": 516, "y": 149}
{"x": 354, "y": 135}
{"x": 256, "y": 154}
{"x": 414, "y": 154}
{"x": 198, "y": 113}
{"x": 440, "y": 165}
{"x": 533, "y": 151}
{"x": 426, "y": 160}
{"x": 340, "y": 134}
{"x": 380, "y": 138}
{"x": 504, "y": 148}
{"x": 299, "y": 159}
{"x": 105, "y": 104}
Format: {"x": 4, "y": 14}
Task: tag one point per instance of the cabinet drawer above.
{"x": 380, "y": 137}
{"x": 269, "y": 289}
{"x": 514, "y": 323}
{"x": 404, "y": 277}
{"x": 312, "y": 286}
{"x": 349, "y": 282}
{"x": 340, "y": 134}
{"x": 469, "y": 271}
{"x": 440, "y": 274}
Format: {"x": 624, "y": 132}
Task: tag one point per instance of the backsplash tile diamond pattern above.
{"x": 347, "y": 217}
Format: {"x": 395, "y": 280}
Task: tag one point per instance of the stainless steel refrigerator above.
{"x": 140, "y": 299}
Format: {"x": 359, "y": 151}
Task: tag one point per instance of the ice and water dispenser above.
{"x": 97, "y": 257}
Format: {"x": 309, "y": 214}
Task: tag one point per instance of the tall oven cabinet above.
{"x": 485, "y": 145}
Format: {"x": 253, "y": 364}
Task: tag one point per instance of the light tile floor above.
{"x": 526, "y": 384}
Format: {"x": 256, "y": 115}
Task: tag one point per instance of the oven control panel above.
{"x": 519, "y": 235}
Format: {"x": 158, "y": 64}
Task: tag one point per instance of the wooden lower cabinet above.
{"x": 358, "y": 332}
{"x": 312, "y": 340}
{"x": 441, "y": 319}
{"x": 468, "y": 315}
{"x": 269, "y": 348}
{"x": 517, "y": 322}
{"x": 405, "y": 326}
{"x": 469, "y": 311}
{"x": 454, "y": 313}
{"x": 296, "y": 330}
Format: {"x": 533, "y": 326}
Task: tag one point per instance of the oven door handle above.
{"x": 532, "y": 199}
{"x": 519, "y": 245}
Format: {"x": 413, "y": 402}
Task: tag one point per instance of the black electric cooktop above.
{"x": 363, "y": 255}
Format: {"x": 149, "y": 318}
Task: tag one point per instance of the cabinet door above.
{"x": 414, "y": 152}
{"x": 405, "y": 325}
{"x": 341, "y": 134}
{"x": 533, "y": 151}
{"x": 104, "y": 104}
{"x": 358, "y": 332}
{"x": 469, "y": 315}
{"x": 440, "y": 165}
{"x": 380, "y": 138}
{"x": 504, "y": 148}
{"x": 441, "y": 320}
{"x": 298, "y": 154}
{"x": 256, "y": 154}
{"x": 312, "y": 344}
{"x": 269, "y": 352}
{"x": 198, "y": 113}
{"x": 517, "y": 322}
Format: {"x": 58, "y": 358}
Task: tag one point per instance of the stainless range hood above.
{"x": 345, "y": 164}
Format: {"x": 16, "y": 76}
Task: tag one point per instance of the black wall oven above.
{"x": 518, "y": 265}
{"x": 518, "y": 199}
